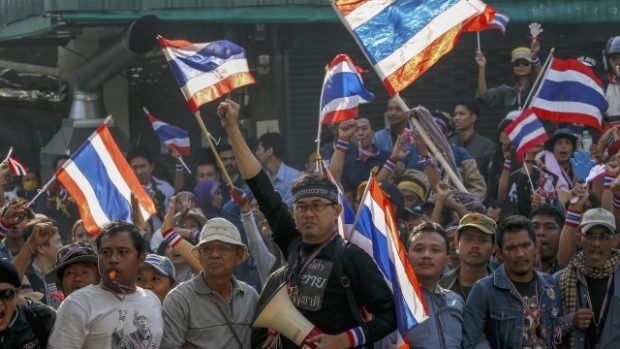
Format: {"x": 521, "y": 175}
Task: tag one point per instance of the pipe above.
{"x": 108, "y": 61}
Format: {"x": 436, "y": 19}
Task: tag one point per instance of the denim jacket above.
{"x": 610, "y": 337}
{"x": 443, "y": 328}
{"x": 494, "y": 308}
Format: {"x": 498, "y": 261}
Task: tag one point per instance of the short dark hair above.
{"x": 550, "y": 211}
{"x": 513, "y": 224}
{"x": 139, "y": 152}
{"x": 274, "y": 141}
{"x": 471, "y": 105}
{"x": 116, "y": 227}
{"x": 224, "y": 147}
{"x": 430, "y": 227}
{"x": 311, "y": 178}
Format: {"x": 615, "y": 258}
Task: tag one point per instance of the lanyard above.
{"x": 603, "y": 307}
{"x": 309, "y": 260}
{"x": 527, "y": 306}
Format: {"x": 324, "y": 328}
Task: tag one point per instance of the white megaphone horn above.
{"x": 279, "y": 313}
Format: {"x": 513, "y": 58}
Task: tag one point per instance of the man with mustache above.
{"x": 475, "y": 238}
{"x": 590, "y": 284}
{"x": 516, "y": 306}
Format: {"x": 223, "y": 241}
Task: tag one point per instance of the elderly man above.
{"x": 590, "y": 284}
{"x": 213, "y": 309}
{"x": 328, "y": 280}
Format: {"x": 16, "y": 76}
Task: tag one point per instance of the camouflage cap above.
{"x": 479, "y": 221}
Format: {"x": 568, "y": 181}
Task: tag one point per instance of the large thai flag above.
{"x": 499, "y": 22}
{"x": 101, "y": 181}
{"x": 377, "y": 226}
{"x": 172, "y": 136}
{"x": 343, "y": 91}
{"x": 404, "y": 38}
{"x": 206, "y": 71}
{"x": 570, "y": 93}
{"x": 526, "y": 132}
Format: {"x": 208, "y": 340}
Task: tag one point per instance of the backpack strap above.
{"x": 339, "y": 262}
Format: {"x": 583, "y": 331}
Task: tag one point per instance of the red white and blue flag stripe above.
{"x": 377, "y": 225}
{"x": 206, "y": 71}
{"x": 17, "y": 167}
{"x": 346, "y": 219}
{"x": 570, "y": 92}
{"x": 499, "y": 22}
{"x": 526, "y": 132}
{"x": 172, "y": 136}
{"x": 403, "y": 38}
{"x": 101, "y": 181}
{"x": 343, "y": 91}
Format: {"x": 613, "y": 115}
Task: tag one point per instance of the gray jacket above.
{"x": 190, "y": 317}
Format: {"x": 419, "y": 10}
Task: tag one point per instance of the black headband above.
{"x": 328, "y": 192}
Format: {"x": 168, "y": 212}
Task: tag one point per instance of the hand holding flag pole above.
{"x": 207, "y": 136}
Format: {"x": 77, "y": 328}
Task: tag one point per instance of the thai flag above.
{"x": 526, "y": 132}
{"x": 499, "y": 22}
{"x": 347, "y": 215}
{"x": 17, "y": 167}
{"x": 172, "y": 136}
{"x": 206, "y": 71}
{"x": 404, "y": 38}
{"x": 101, "y": 181}
{"x": 343, "y": 91}
{"x": 377, "y": 226}
{"x": 570, "y": 93}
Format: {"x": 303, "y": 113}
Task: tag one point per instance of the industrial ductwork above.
{"x": 87, "y": 108}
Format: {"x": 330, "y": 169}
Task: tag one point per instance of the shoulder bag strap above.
{"x": 228, "y": 321}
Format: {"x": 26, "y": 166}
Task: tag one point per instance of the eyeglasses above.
{"x": 302, "y": 207}
{"x": 602, "y": 237}
{"x": 521, "y": 62}
{"x": 7, "y": 294}
{"x": 223, "y": 250}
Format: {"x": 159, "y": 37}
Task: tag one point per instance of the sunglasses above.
{"x": 7, "y": 294}
{"x": 521, "y": 62}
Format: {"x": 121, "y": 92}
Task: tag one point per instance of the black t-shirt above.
{"x": 534, "y": 333}
{"x": 598, "y": 289}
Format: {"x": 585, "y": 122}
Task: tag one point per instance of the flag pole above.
{"x": 8, "y": 155}
{"x": 433, "y": 149}
{"x": 53, "y": 178}
{"x": 180, "y": 158}
{"x": 536, "y": 86}
{"x": 358, "y": 213}
{"x": 318, "y": 134}
{"x": 206, "y": 135}
{"x": 478, "y": 40}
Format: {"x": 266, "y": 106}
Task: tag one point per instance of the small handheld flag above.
{"x": 17, "y": 167}
{"x": 206, "y": 71}
{"x": 172, "y": 136}
{"x": 499, "y": 22}
{"x": 343, "y": 91}
{"x": 526, "y": 132}
{"x": 570, "y": 92}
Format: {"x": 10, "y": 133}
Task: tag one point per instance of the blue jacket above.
{"x": 443, "y": 328}
{"x": 494, "y": 308}
{"x": 610, "y": 337}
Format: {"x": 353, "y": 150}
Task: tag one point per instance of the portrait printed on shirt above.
{"x": 534, "y": 333}
{"x": 312, "y": 285}
{"x": 140, "y": 338}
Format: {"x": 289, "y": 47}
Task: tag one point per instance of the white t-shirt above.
{"x": 95, "y": 318}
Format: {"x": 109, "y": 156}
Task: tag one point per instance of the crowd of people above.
{"x": 526, "y": 257}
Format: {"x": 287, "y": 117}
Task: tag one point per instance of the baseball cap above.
{"x": 479, "y": 221}
{"x": 521, "y": 53}
{"x": 219, "y": 229}
{"x": 69, "y": 254}
{"x": 597, "y": 216}
{"x": 163, "y": 265}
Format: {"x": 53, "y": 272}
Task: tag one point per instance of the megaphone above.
{"x": 279, "y": 313}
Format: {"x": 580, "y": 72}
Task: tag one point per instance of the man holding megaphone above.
{"x": 328, "y": 281}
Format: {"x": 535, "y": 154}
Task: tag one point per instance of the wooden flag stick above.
{"x": 205, "y": 134}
